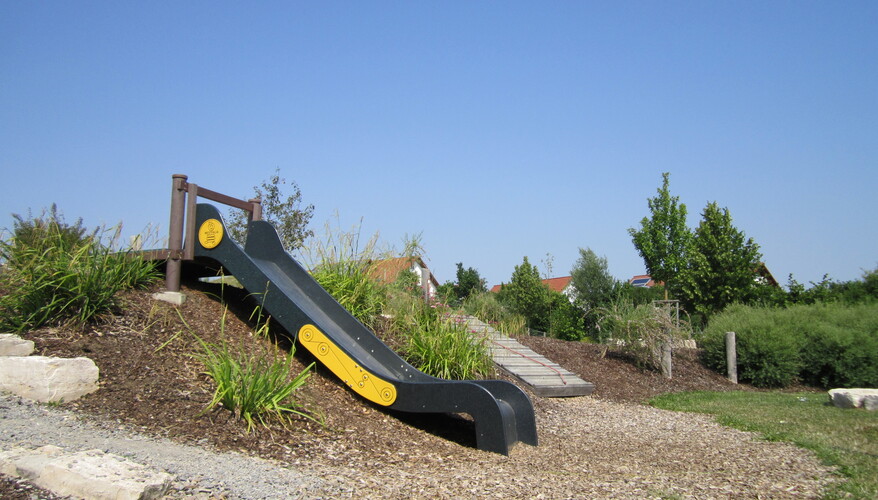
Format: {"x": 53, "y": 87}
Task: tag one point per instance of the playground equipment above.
{"x": 502, "y": 412}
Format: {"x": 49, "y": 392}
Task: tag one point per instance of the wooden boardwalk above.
{"x": 544, "y": 377}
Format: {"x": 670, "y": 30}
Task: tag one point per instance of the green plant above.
{"x": 53, "y": 273}
{"x": 823, "y": 344}
{"x": 663, "y": 238}
{"x": 436, "y": 344}
{"x": 487, "y": 308}
{"x": 287, "y": 215}
{"x": 341, "y": 267}
{"x": 768, "y": 347}
{"x": 721, "y": 265}
{"x": 641, "y": 330}
{"x": 256, "y": 385}
{"x": 842, "y": 438}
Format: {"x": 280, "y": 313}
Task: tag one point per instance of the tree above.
{"x": 721, "y": 266}
{"x": 285, "y": 213}
{"x": 468, "y": 282}
{"x": 591, "y": 280}
{"x": 662, "y": 240}
{"x": 526, "y": 295}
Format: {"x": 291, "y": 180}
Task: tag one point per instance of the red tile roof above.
{"x": 388, "y": 270}
{"x": 556, "y": 284}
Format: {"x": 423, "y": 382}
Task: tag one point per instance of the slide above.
{"x": 502, "y": 412}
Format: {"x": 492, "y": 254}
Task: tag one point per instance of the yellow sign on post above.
{"x": 210, "y": 234}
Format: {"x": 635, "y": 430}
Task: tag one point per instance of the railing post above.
{"x": 175, "y": 233}
{"x": 256, "y": 212}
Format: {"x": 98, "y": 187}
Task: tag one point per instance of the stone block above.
{"x": 176, "y": 298}
{"x": 13, "y": 345}
{"x": 46, "y": 379}
{"x": 89, "y": 474}
{"x": 854, "y": 398}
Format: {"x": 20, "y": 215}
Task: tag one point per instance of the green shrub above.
{"x": 53, "y": 273}
{"x": 640, "y": 330}
{"x": 255, "y": 385}
{"x": 823, "y": 344}
{"x": 487, "y": 308}
{"x": 841, "y": 344}
{"x": 350, "y": 284}
{"x": 436, "y": 344}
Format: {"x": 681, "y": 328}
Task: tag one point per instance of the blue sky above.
{"x": 496, "y": 129}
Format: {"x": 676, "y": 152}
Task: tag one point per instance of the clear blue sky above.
{"x": 498, "y": 129}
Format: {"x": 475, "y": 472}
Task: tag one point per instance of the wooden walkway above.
{"x": 544, "y": 377}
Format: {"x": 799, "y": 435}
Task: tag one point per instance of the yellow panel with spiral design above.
{"x": 350, "y": 372}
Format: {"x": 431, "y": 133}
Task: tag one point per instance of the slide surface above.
{"x": 502, "y": 412}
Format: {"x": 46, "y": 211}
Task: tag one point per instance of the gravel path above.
{"x": 588, "y": 449}
{"x": 198, "y": 472}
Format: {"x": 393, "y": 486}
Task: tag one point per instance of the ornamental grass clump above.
{"x": 438, "y": 345}
{"x": 257, "y": 385}
{"x": 341, "y": 267}
{"x": 56, "y": 273}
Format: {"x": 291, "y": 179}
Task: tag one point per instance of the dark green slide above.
{"x": 502, "y": 412}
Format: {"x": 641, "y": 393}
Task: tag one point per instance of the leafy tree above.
{"x": 565, "y": 320}
{"x": 662, "y": 239}
{"x": 721, "y": 267}
{"x": 526, "y": 295}
{"x": 468, "y": 282}
{"x": 284, "y": 211}
{"x": 591, "y": 279}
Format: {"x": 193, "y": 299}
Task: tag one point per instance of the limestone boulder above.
{"x": 86, "y": 474}
{"x": 46, "y": 379}
{"x": 854, "y": 398}
{"x": 13, "y": 345}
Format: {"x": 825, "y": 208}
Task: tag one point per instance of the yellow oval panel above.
{"x": 351, "y": 373}
{"x": 210, "y": 234}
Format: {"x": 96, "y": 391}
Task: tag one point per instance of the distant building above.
{"x": 388, "y": 270}
{"x": 642, "y": 281}
{"x": 562, "y": 285}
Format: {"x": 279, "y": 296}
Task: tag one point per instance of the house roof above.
{"x": 762, "y": 270}
{"x": 642, "y": 280}
{"x": 556, "y": 284}
{"x": 388, "y": 270}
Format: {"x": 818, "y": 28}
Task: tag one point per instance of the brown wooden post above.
{"x": 175, "y": 233}
{"x": 256, "y": 212}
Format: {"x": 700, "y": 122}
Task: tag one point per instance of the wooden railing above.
{"x": 184, "y": 196}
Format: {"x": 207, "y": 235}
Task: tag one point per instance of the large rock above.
{"x": 89, "y": 474}
{"x": 47, "y": 379}
{"x": 855, "y": 398}
{"x": 13, "y": 345}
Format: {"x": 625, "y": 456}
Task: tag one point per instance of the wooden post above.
{"x": 731, "y": 357}
{"x": 175, "y": 233}
{"x": 667, "y": 359}
{"x": 256, "y": 211}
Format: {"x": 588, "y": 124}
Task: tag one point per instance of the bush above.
{"x": 54, "y": 273}
{"x": 487, "y": 308}
{"x": 826, "y": 345}
{"x": 640, "y": 330}
{"x": 436, "y": 344}
{"x": 255, "y": 385}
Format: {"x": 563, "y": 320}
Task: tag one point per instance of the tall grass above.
{"x": 55, "y": 275}
{"x": 843, "y": 438}
{"x": 436, "y": 344}
{"x": 487, "y": 308}
{"x": 640, "y": 330}
{"x": 256, "y": 385}
{"x": 341, "y": 267}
